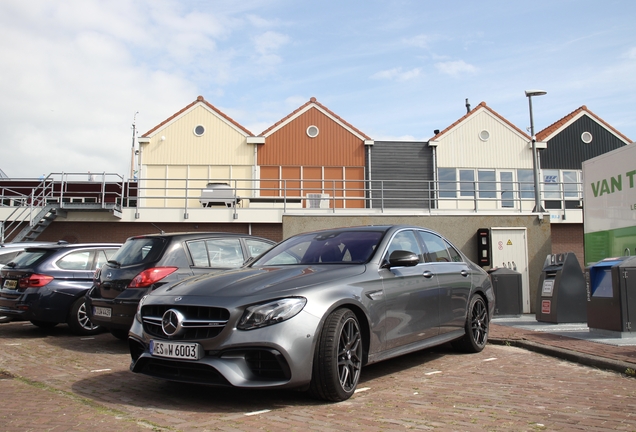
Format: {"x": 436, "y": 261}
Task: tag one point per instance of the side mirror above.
{"x": 402, "y": 258}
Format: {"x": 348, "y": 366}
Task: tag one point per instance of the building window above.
{"x": 507, "y": 190}
{"x": 199, "y": 130}
{"x": 467, "y": 183}
{"x": 487, "y": 183}
{"x": 447, "y": 183}
{"x": 484, "y": 135}
{"x": 586, "y": 137}
{"x": 312, "y": 131}
{"x": 526, "y": 183}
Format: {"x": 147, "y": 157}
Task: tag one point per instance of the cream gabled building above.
{"x": 481, "y": 157}
{"x": 196, "y": 146}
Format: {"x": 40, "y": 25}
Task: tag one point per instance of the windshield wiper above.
{"x": 115, "y": 263}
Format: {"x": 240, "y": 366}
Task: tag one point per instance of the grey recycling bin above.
{"x": 506, "y": 284}
{"x": 611, "y": 295}
{"x": 561, "y": 297}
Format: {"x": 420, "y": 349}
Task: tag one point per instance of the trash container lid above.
{"x": 502, "y": 270}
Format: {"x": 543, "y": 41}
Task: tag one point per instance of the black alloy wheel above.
{"x": 78, "y": 320}
{"x": 338, "y": 358}
{"x": 476, "y": 327}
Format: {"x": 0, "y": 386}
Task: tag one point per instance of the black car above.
{"x": 147, "y": 262}
{"x": 47, "y": 284}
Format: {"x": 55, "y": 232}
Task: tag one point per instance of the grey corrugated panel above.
{"x": 405, "y": 170}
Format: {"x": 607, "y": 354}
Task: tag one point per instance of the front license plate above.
{"x": 10, "y": 283}
{"x": 175, "y": 350}
{"x": 101, "y": 312}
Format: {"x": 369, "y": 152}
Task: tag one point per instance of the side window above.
{"x": 225, "y": 252}
{"x": 256, "y": 247}
{"x": 435, "y": 246}
{"x": 199, "y": 253}
{"x": 78, "y": 260}
{"x": 101, "y": 259}
{"x": 454, "y": 255}
{"x": 404, "y": 240}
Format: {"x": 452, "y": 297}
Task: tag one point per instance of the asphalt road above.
{"x": 52, "y": 380}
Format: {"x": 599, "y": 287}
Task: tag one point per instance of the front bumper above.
{"x": 277, "y": 356}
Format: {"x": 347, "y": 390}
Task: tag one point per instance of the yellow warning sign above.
{"x": 509, "y": 242}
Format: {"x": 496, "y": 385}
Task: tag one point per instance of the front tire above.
{"x": 78, "y": 320}
{"x": 338, "y": 357}
{"x": 477, "y": 322}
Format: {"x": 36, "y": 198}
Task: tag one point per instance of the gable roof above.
{"x": 556, "y": 127}
{"x": 200, "y": 100}
{"x": 313, "y": 103}
{"x": 472, "y": 112}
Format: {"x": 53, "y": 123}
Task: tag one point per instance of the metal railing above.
{"x": 30, "y": 199}
{"x": 110, "y": 191}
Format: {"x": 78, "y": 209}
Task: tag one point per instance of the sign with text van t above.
{"x": 609, "y": 204}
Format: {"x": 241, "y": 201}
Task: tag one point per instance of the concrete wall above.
{"x": 460, "y": 230}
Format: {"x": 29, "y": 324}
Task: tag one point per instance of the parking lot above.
{"x": 52, "y": 380}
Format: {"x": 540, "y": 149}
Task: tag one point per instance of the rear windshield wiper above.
{"x": 115, "y": 263}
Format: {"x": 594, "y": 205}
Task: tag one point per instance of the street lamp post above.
{"x": 535, "y": 158}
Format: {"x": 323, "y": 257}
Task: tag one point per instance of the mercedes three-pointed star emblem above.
{"x": 172, "y": 322}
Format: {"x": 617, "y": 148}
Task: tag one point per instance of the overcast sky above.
{"x": 76, "y": 74}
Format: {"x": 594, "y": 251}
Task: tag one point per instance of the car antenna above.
{"x": 160, "y": 230}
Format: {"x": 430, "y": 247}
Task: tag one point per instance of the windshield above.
{"x": 328, "y": 247}
{"x": 139, "y": 250}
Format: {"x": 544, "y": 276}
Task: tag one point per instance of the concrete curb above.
{"x": 573, "y": 356}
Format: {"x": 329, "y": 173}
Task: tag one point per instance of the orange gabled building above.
{"x": 315, "y": 155}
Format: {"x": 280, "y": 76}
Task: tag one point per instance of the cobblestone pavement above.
{"x": 51, "y": 380}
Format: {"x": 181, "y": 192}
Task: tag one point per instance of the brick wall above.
{"x": 568, "y": 238}
{"x": 118, "y": 232}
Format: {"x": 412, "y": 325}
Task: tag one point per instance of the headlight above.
{"x": 138, "y": 314}
{"x": 269, "y": 313}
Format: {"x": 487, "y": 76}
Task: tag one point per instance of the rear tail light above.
{"x": 34, "y": 281}
{"x": 151, "y": 276}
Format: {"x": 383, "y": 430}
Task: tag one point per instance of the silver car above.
{"x": 310, "y": 312}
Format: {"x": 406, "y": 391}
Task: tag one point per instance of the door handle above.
{"x": 427, "y": 274}
{"x": 464, "y": 273}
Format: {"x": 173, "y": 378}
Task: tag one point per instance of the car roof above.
{"x": 194, "y": 234}
{"x": 13, "y": 245}
{"x": 59, "y": 246}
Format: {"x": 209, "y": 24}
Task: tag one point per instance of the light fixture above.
{"x": 535, "y": 160}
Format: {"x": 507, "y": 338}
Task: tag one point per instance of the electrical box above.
{"x": 484, "y": 248}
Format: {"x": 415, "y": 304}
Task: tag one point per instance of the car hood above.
{"x": 264, "y": 280}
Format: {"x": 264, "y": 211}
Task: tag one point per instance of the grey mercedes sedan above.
{"x": 314, "y": 309}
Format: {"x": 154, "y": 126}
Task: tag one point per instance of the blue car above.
{"x": 47, "y": 284}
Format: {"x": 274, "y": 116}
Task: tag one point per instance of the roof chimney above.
{"x": 467, "y": 106}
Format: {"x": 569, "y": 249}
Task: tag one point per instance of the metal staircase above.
{"x": 35, "y": 208}
{"x": 42, "y": 220}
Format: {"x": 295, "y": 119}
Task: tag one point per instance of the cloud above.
{"x": 455, "y": 68}
{"x": 397, "y": 74}
{"x": 420, "y": 41}
{"x": 631, "y": 54}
